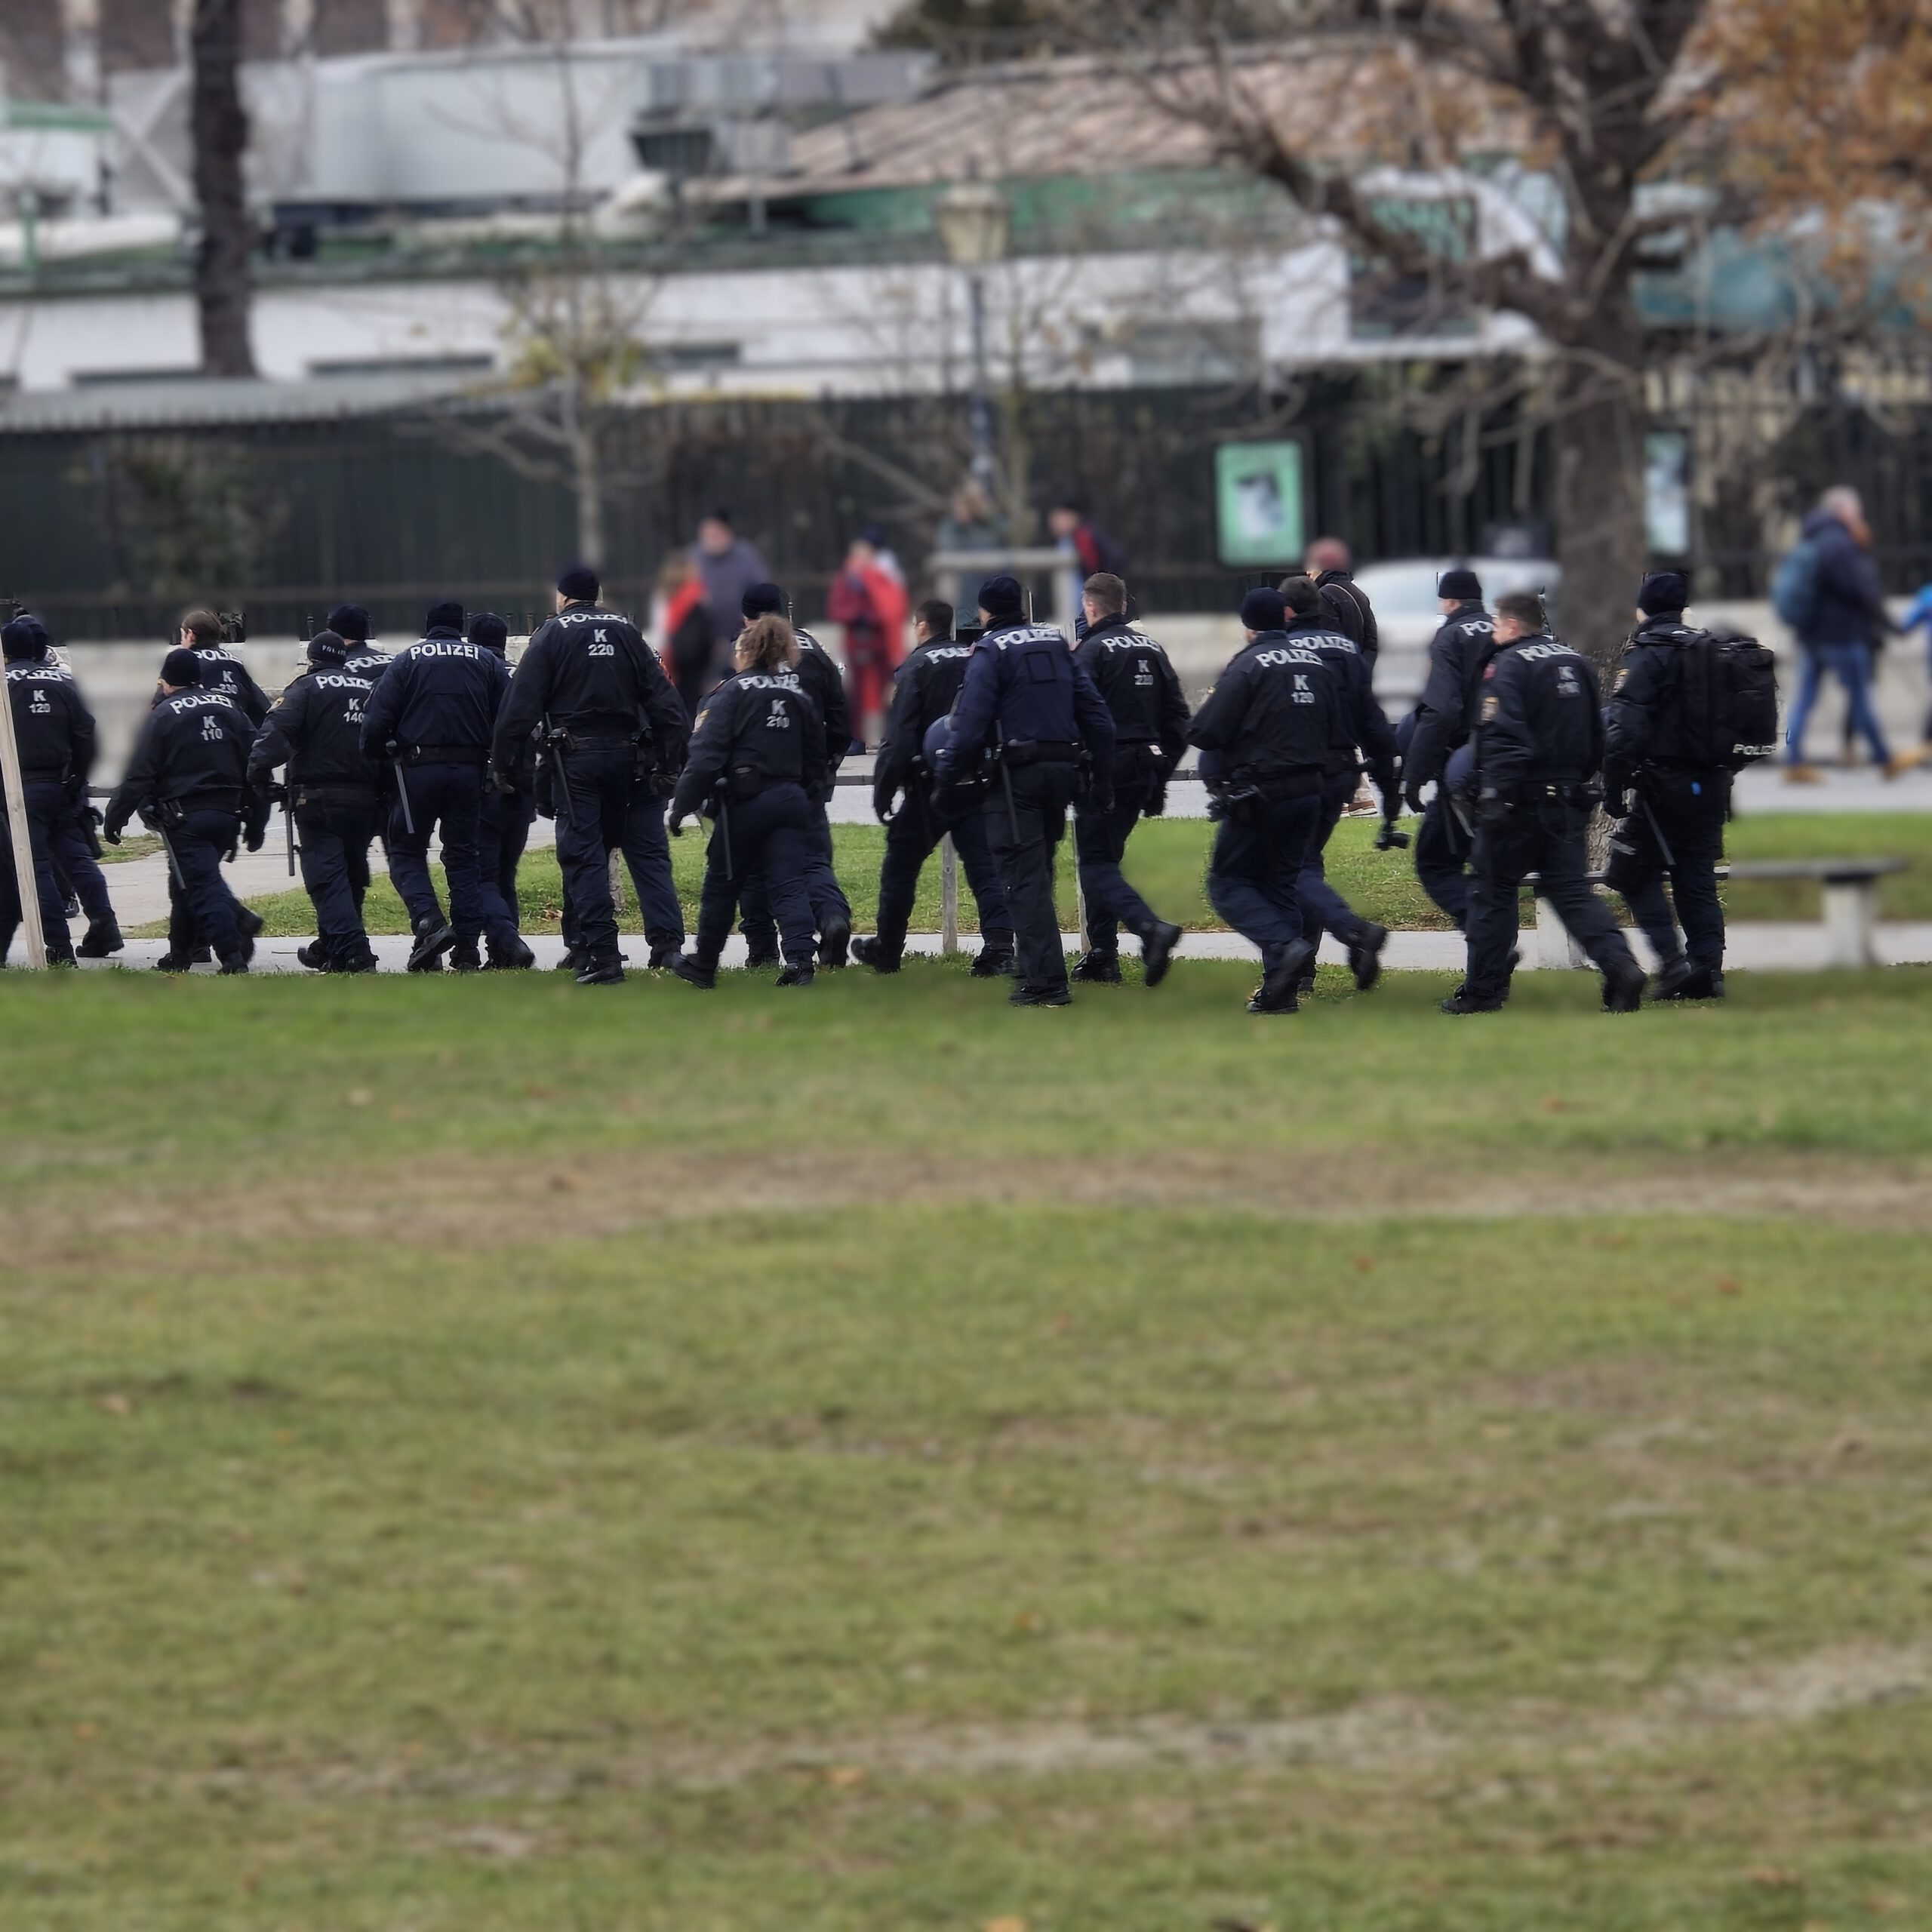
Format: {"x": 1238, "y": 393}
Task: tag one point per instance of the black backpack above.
{"x": 1730, "y": 699}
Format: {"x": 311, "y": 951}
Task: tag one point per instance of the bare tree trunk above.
{"x": 1597, "y": 443}
{"x": 586, "y": 472}
{"x": 221, "y": 139}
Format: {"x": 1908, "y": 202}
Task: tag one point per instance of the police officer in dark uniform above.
{"x": 832, "y": 911}
{"x": 1674, "y": 802}
{"x": 1343, "y": 600}
{"x": 924, "y": 690}
{"x": 617, "y": 728}
{"x": 351, "y": 623}
{"x": 54, "y": 732}
{"x": 1443, "y": 720}
{"x": 1139, "y": 687}
{"x": 332, "y": 788}
{"x": 757, "y": 755}
{"x": 203, "y": 633}
{"x": 1025, "y": 703}
{"x": 1268, "y": 732}
{"x": 189, "y": 777}
{"x": 431, "y": 717}
{"x": 1538, "y": 747}
{"x": 502, "y": 829}
{"x": 1367, "y": 736}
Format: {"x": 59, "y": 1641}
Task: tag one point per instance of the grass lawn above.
{"x": 1167, "y": 860}
{"x": 475, "y": 1454}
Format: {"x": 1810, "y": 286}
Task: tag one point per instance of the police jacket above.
{"x": 1446, "y": 712}
{"x": 438, "y": 700}
{"x": 924, "y": 690}
{"x": 757, "y": 730}
{"x": 193, "y": 748}
{"x": 1644, "y": 721}
{"x": 1273, "y": 719}
{"x": 1538, "y": 723}
{"x": 1137, "y": 683}
{"x": 1366, "y": 734}
{"x": 1024, "y": 692}
{"x": 315, "y": 729}
{"x": 589, "y": 675}
{"x": 230, "y": 677}
{"x": 826, "y": 688}
{"x": 1346, "y": 605}
{"x": 52, "y": 728}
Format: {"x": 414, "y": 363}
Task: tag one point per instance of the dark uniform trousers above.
{"x": 502, "y": 831}
{"x": 829, "y": 903}
{"x": 1545, "y": 838}
{"x": 771, "y": 836}
{"x": 46, "y": 799}
{"x": 336, "y": 826}
{"x": 449, "y": 796}
{"x": 1100, "y": 844}
{"x": 1024, "y": 831}
{"x": 602, "y": 806}
{"x": 913, "y": 835}
{"x": 1322, "y": 906}
{"x": 1442, "y": 853}
{"x": 1689, "y": 811}
{"x": 207, "y": 909}
{"x": 1254, "y": 876}
{"x": 73, "y": 855}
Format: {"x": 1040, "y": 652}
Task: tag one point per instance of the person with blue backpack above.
{"x": 1827, "y": 591}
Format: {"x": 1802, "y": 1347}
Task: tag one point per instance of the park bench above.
{"x": 1850, "y": 908}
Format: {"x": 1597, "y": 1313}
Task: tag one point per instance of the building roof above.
{"x": 1080, "y": 115}
{"x": 196, "y": 402}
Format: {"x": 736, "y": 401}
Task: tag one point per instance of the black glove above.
{"x": 1157, "y": 801}
{"x": 664, "y": 783}
{"x": 92, "y": 816}
{"x": 1103, "y": 799}
{"x": 676, "y": 827}
{"x": 882, "y": 797}
{"x": 1412, "y": 795}
{"x": 253, "y": 837}
{"x": 110, "y": 829}
{"x": 501, "y": 782}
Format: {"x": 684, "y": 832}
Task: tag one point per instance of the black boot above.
{"x": 1462, "y": 1001}
{"x": 833, "y": 943}
{"x": 662, "y": 957}
{"x": 796, "y": 976}
{"x": 757, "y": 961}
{"x": 465, "y": 956}
{"x": 1365, "y": 955}
{"x": 1054, "y": 993}
{"x": 1623, "y": 987}
{"x": 1157, "y": 951}
{"x": 1673, "y": 976}
{"x": 1096, "y": 969}
{"x": 434, "y": 937}
{"x": 871, "y": 953}
{"x": 694, "y": 972}
{"x": 101, "y": 938}
{"x": 1282, "y": 966}
{"x": 993, "y": 962}
{"x": 315, "y": 955}
{"x": 174, "y": 962}
{"x": 509, "y": 955}
{"x": 602, "y": 969}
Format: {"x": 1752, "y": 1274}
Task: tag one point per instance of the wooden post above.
{"x": 26, "y": 877}
{"x": 618, "y": 881}
{"x": 1080, "y": 905}
{"x": 949, "y": 897}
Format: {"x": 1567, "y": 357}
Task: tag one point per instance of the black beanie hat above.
{"x": 1263, "y": 610}
{"x": 763, "y": 600}
{"x": 328, "y": 648}
{"x": 1663, "y": 593}
{"x": 181, "y": 667}
{"x": 579, "y": 584}
{"x": 350, "y": 622}
{"x": 24, "y": 637}
{"x": 1462, "y": 585}
{"x": 1001, "y": 597}
{"x": 489, "y": 630}
{"x": 445, "y": 616}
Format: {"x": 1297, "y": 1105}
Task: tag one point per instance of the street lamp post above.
{"x": 973, "y": 219}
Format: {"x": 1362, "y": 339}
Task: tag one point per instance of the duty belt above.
{"x": 449, "y": 754}
{"x": 1039, "y": 751}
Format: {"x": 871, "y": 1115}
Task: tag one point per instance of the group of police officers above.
{"x": 993, "y": 736}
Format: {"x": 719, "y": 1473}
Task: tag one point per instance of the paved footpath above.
{"x": 1755, "y": 947}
